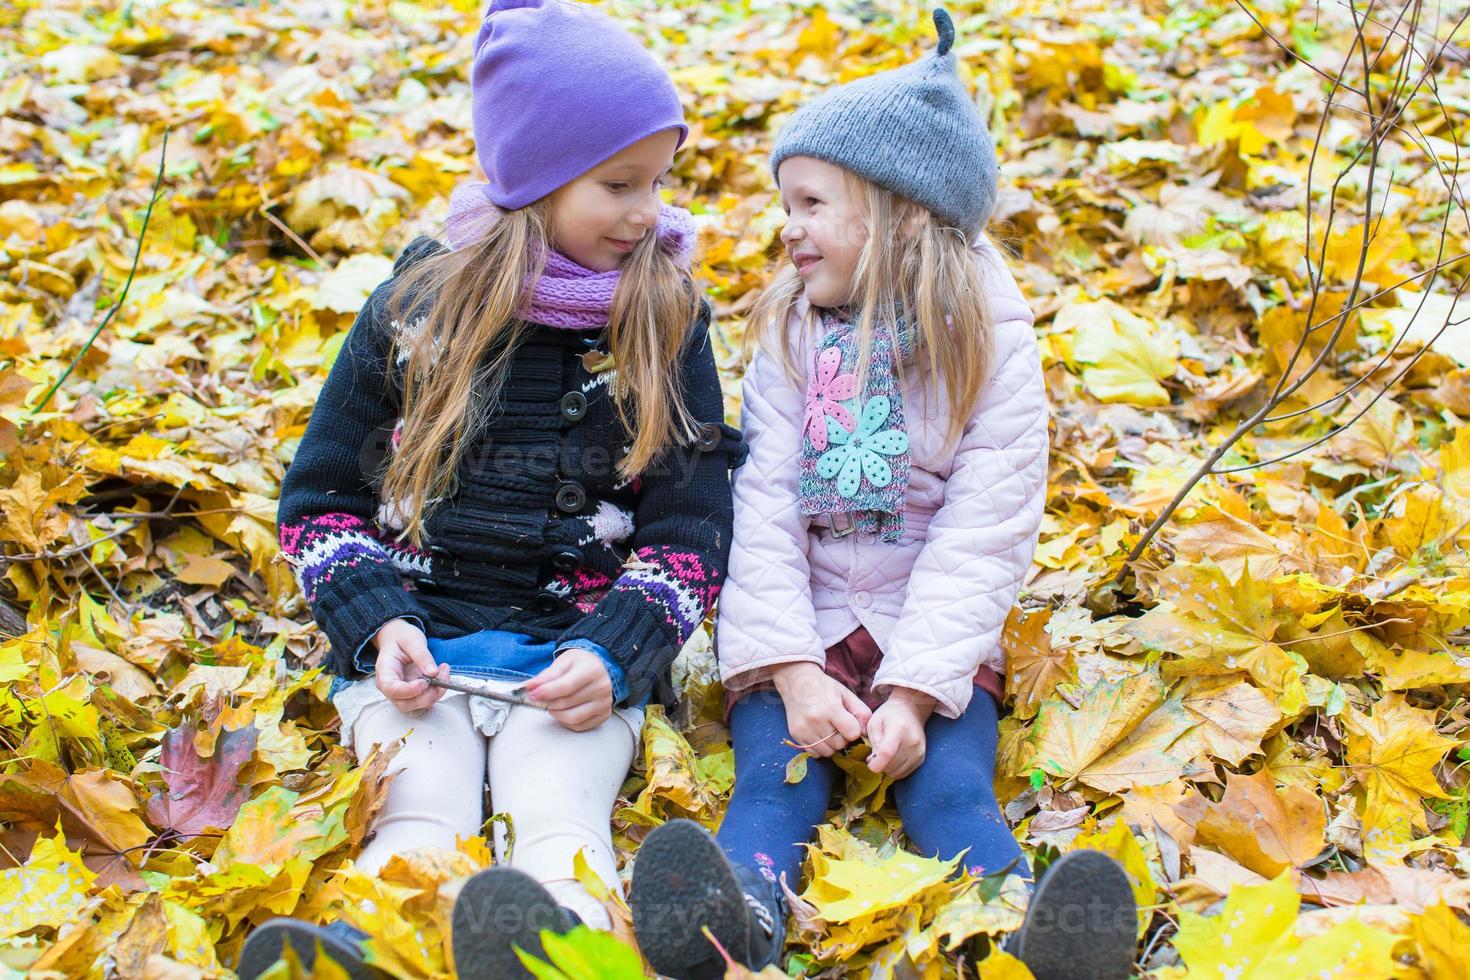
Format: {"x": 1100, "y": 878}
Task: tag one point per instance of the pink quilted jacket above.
{"x": 936, "y": 600}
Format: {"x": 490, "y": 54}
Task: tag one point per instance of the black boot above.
{"x": 1081, "y": 923}
{"x": 682, "y": 881}
{"x": 766, "y": 904}
{"x": 498, "y": 910}
{"x": 339, "y": 940}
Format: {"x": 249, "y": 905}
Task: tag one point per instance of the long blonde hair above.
{"x": 459, "y": 355}
{"x": 914, "y": 266}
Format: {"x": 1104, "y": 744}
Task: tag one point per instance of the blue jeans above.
{"x": 500, "y": 655}
{"x": 497, "y": 654}
{"x": 947, "y": 804}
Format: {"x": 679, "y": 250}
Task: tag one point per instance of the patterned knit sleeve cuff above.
{"x": 650, "y": 611}
{"x": 615, "y": 672}
{"x": 352, "y": 619}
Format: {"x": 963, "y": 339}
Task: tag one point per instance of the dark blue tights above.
{"x": 947, "y": 804}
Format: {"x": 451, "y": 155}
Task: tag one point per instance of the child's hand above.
{"x": 822, "y": 716}
{"x": 403, "y": 652}
{"x": 575, "y": 689}
{"x": 897, "y": 732}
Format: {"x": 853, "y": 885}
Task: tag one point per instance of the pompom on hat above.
{"x": 913, "y": 130}
{"x": 555, "y": 89}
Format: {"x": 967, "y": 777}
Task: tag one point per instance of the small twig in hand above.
{"x": 481, "y": 689}
{"x": 807, "y": 748}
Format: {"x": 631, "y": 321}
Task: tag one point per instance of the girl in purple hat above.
{"x": 518, "y": 468}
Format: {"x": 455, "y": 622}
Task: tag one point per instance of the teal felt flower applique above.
{"x": 860, "y": 453}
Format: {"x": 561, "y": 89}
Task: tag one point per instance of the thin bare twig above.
{"x": 137, "y": 253}
{"x": 289, "y": 233}
{"x": 1406, "y": 84}
{"x": 480, "y": 689}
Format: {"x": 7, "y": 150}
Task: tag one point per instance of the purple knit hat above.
{"x": 557, "y": 88}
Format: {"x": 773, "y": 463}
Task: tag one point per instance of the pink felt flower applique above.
{"x": 824, "y": 394}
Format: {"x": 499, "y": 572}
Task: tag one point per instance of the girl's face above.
{"x": 599, "y": 218}
{"x": 825, "y": 228}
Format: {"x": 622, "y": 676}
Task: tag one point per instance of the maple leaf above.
{"x": 1034, "y": 667}
{"x": 1124, "y": 356}
{"x": 976, "y": 911}
{"x": 271, "y": 830}
{"x": 1253, "y": 938}
{"x": 865, "y": 899}
{"x": 1119, "y": 843}
{"x": 1121, "y": 734}
{"x": 1393, "y": 750}
{"x": 1170, "y": 293}
{"x": 1233, "y": 716}
{"x": 673, "y": 772}
{"x": 201, "y": 793}
{"x": 1213, "y": 625}
{"x": 50, "y": 889}
{"x": 1001, "y": 965}
{"x": 1441, "y": 939}
{"x": 96, "y": 809}
{"x": 1265, "y": 829}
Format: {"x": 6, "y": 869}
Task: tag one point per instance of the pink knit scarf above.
{"x": 568, "y": 294}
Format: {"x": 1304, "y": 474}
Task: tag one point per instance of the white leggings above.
{"x": 558, "y": 786}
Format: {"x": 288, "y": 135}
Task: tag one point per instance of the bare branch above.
{"x": 1383, "y": 115}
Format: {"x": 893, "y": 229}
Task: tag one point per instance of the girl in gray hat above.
{"x": 884, "y": 521}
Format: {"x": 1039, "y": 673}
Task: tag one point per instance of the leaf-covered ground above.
{"x": 1266, "y": 720}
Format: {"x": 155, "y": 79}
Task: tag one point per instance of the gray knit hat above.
{"x": 913, "y": 130}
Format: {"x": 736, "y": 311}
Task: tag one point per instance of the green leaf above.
{"x": 583, "y": 954}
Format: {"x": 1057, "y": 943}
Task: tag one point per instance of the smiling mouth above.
{"x": 805, "y": 262}
{"x": 623, "y": 244}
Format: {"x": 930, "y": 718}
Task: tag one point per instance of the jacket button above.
{"x": 864, "y": 599}
{"x": 574, "y": 406}
{"x": 570, "y": 497}
{"x": 567, "y": 559}
{"x": 547, "y": 602}
{"x": 709, "y": 437}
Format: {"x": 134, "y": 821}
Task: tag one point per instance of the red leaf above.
{"x": 202, "y": 792}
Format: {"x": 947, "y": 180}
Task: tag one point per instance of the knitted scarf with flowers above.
{"x": 855, "y": 448}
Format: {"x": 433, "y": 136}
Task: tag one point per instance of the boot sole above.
{"x": 497, "y": 910}
{"x": 1082, "y": 921}
{"x": 266, "y": 944}
{"x": 681, "y": 881}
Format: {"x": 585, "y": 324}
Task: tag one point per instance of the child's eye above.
{"x": 812, "y": 201}
{"x": 615, "y": 185}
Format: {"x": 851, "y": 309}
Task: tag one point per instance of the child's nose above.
{"x": 645, "y": 216}
{"x": 791, "y": 232}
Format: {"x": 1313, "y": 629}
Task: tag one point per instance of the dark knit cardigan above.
{"x": 538, "y": 535}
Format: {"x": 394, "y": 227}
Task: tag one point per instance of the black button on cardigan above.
{"x": 574, "y": 406}
{"x": 570, "y": 497}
